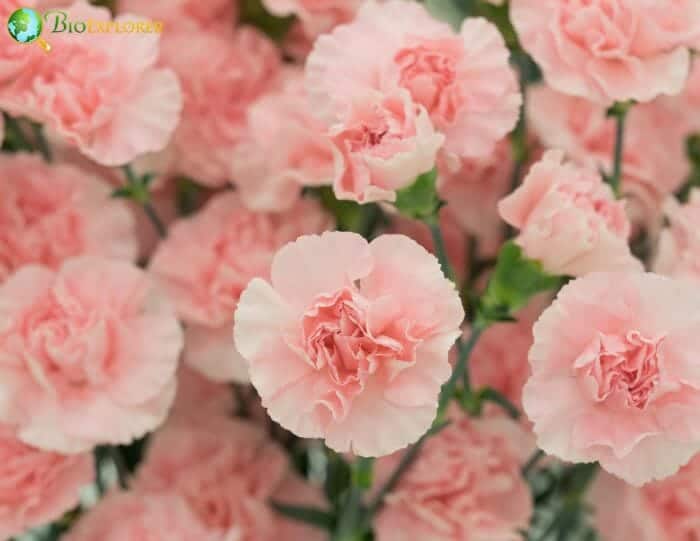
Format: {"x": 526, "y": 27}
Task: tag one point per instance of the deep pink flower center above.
{"x": 337, "y": 338}
{"x": 626, "y": 366}
{"x": 429, "y": 71}
{"x": 379, "y": 128}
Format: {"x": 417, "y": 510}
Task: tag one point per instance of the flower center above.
{"x": 625, "y": 366}
{"x": 336, "y": 337}
{"x": 428, "y": 72}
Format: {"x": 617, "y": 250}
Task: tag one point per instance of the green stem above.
{"x": 518, "y": 138}
{"x": 140, "y": 194}
{"x": 461, "y": 370}
{"x": 619, "y": 113}
{"x": 532, "y": 462}
{"x": 440, "y": 249}
{"x": 352, "y": 523}
{"x": 115, "y": 455}
{"x": 98, "y": 471}
{"x": 157, "y": 223}
{"x": 41, "y": 143}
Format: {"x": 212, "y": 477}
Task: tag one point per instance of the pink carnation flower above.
{"x": 316, "y": 16}
{"x": 678, "y": 252}
{"x": 206, "y": 262}
{"x": 37, "y": 487}
{"x": 228, "y": 471}
{"x": 382, "y": 146}
{"x": 499, "y": 359}
{"x": 349, "y": 341}
{"x": 667, "y": 510}
{"x": 609, "y": 50}
{"x": 472, "y": 188}
{"x": 615, "y": 376}
{"x": 101, "y": 92}
{"x": 465, "y": 484}
{"x": 283, "y": 151}
{"x": 91, "y": 342}
{"x": 135, "y": 516}
{"x": 49, "y": 213}
{"x": 569, "y": 219}
{"x": 198, "y": 398}
{"x": 653, "y": 161}
{"x": 221, "y": 77}
{"x": 463, "y": 81}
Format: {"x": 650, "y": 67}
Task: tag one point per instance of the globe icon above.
{"x": 25, "y": 25}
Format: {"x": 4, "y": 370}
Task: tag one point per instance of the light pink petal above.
{"x": 313, "y": 265}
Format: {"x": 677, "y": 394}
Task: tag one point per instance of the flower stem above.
{"x": 138, "y": 191}
{"x": 460, "y": 371}
{"x": 158, "y": 224}
{"x": 115, "y": 455}
{"x": 532, "y": 462}
{"x": 440, "y": 249}
{"x": 619, "y": 113}
{"x": 518, "y": 138}
{"x": 352, "y": 523}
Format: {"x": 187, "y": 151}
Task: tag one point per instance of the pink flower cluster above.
{"x": 217, "y": 284}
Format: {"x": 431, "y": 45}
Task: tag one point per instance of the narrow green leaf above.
{"x": 124, "y": 192}
{"x": 308, "y": 515}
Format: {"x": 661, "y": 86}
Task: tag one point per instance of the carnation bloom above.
{"x": 87, "y": 354}
{"x": 653, "y": 160}
{"x": 49, "y": 213}
{"x": 37, "y": 487}
{"x": 614, "y": 374}
{"x": 284, "y": 149}
{"x": 198, "y": 398}
{"x": 609, "y": 50}
{"x": 462, "y": 80}
{"x": 206, "y": 262}
{"x": 227, "y": 471}
{"x": 349, "y": 342}
{"x": 101, "y": 92}
{"x": 135, "y": 516}
{"x": 465, "y": 485}
{"x": 316, "y": 16}
{"x": 499, "y": 359}
{"x": 678, "y": 252}
{"x": 569, "y": 219}
{"x": 382, "y": 146}
{"x": 472, "y": 188}
{"x": 221, "y": 76}
{"x": 667, "y": 510}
